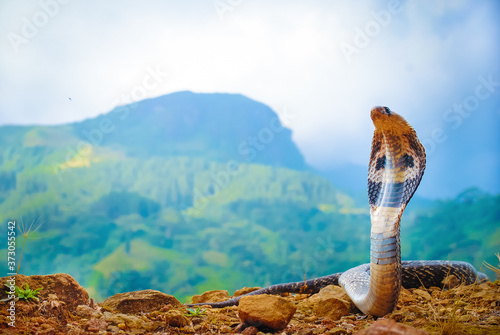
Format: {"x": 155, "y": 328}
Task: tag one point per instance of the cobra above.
{"x": 397, "y": 164}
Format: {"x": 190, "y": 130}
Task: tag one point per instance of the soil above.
{"x": 65, "y": 308}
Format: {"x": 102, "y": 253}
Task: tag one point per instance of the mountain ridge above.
{"x": 219, "y": 125}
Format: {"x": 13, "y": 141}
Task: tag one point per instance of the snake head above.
{"x": 386, "y": 120}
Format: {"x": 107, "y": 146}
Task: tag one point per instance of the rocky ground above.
{"x": 64, "y": 307}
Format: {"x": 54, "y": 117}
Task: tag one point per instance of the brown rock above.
{"x": 65, "y": 287}
{"x": 331, "y": 301}
{"x": 139, "y": 301}
{"x": 245, "y": 290}
{"x": 398, "y": 315}
{"x": 332, "y": 291}
{"x": 87, "y": 312}
{"x": 151, "y": 325}
{"x": 337, "y": 331}
{"x": 266, "y": 311}
{"x": 422, "y": 293}
{"x": 95, "y": 325}
{"x": 305, "y": 332}
{"x": 211, "y": 296}
{"x": 406, "y": 296}
{"x": 332, "y": 308}
{"x": 493, "y": 320}
{"x": 119, "y": 319}
{"x": 250, "y": 331}
{"x": 226, "y": 329}
{"x": 464, "y": 318}
{"x": 176, "y": 318}
{"x": 390, "y": 327}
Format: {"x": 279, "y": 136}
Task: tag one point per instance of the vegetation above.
{"x": 195, "y": 312}
{"x": 26, "y": 293}
{"x": 496, "y": 269}
{"x": 26, "y": 231}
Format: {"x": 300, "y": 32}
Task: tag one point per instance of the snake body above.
{"x": 397, "y": 164}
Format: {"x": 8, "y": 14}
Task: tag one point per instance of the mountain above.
{"x": 218, "y": 127}
{"x": 190, "y": 192}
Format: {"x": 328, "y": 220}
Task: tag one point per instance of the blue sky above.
{"x": 321, "y": 65}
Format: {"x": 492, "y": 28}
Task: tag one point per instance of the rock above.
{"x": 390, "y": 327}
{"x": 112, "y": 329}
{"x": 406, "y": 296}
{"x": 211, "y": 296}
{"x": 422, "y": 293}
{"x": 332, "y": 308}
{"x": 151, "y": 326}
{"x": 121, "y": 320}
{"x": 331, "y": 301}
{"x": 176, "y": 318}
{"x": 332, "y": 291}
{"x": 328, "y": 292}
{"x": 245, "y": 290}
{"x": 87, "y": 312}
{"x": 250, "y": 331}
{"x": 65, "y": 287}
{"x": 337, "y": 331}
{"x": 139, "y": 302}
{"x": 226, "y": 329}
{"x": 266, "y": 311}
{"x": 418, "y": 310}
{"x": 398, "y": 315}
{"x": 95, "y": 325}
{"x": 464, "y": 318}
{"x": 305, "y": 332}
{"x": 493, "y": 320}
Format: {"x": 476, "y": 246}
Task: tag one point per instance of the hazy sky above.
{"x": 322, "y": 64}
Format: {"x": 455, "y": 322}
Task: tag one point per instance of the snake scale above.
{"x": 397, "y": 164}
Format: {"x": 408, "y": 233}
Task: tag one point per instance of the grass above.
{"x": 493, "y": 268}
{"x": 26, "y": 231}
{"x": 195, "y": 312}
{"x": 25, "y": 293}
{"x": 448, "y": 323}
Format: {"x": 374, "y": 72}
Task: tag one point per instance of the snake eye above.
{"x": 387, "y": 111}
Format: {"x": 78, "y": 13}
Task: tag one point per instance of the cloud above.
{"x": 419, "y": 61}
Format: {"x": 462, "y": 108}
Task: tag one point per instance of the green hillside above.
{"x": 172, "y": 198}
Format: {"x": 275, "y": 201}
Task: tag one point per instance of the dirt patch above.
{"x": 473, "y": 309}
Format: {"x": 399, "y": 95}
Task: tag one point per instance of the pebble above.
{"x": 245, "y": 290}
{"x": 211, "y": 296}
{"x": 137, "y": 302}
{"x": 266, "y": 311}
{"x": 95, "y": 325}
{"x": 87, "y": 312}
{"x": 250, "y": 331}
{"x": 422, "y": 293}
{"x": 176, "y": 318}
{"x": 493, "y": 320}
{"x": 390, "y": 327}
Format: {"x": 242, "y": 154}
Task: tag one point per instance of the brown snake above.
{"x": 397, "y": 163}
